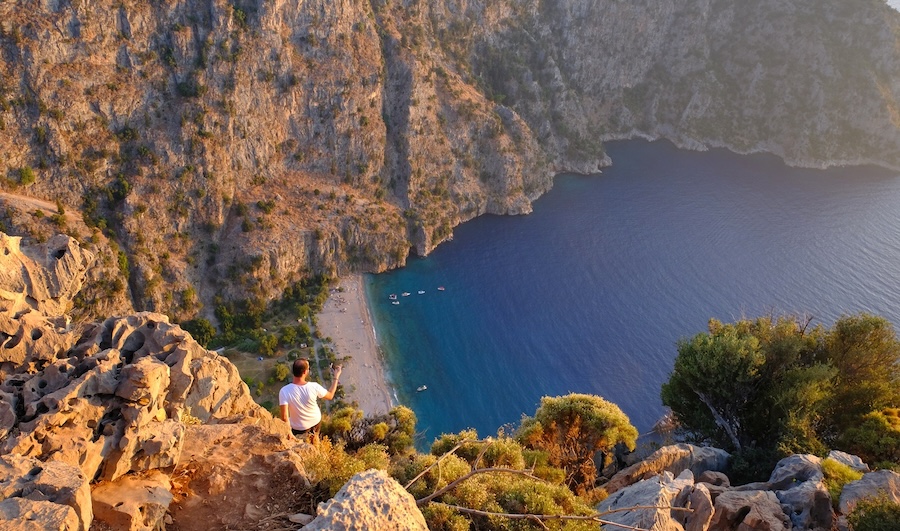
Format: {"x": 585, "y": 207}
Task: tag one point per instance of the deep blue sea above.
{"x": 591, "y": 292}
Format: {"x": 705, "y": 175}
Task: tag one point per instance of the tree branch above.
{"x": 441, "y": 458}
{"x": 720, "y": 420}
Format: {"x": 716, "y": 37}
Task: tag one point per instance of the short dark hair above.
{"x": 300, "y": 367}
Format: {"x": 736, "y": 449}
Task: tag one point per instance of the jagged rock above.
{"x": 20, "y": 514}
{"x": 754, "y": 510}
{"x": 850, "y": 460}
{"x": 134, "y": 503}
{"x": 50, "y": 482}
{"x": 674, "y": 459}
{"x": 370, "y": 500}
{"x": 106, "y": 407}
{"x": 43, "y": 277}
{"x": 879, "y": 483}
{"x": 808, "y": 504}
{"x": 795, "y": 469}
{"x": 660, "y": 491}
{"x": 701, "y": 505}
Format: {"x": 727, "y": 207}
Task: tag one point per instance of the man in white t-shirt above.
{"x": 298, "y": 399}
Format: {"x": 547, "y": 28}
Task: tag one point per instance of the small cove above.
{"x": 592, "y": 291}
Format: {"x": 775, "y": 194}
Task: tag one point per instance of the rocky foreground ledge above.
{"x": 130, "y": 424}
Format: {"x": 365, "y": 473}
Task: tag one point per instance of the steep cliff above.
{"x": 230, "y": 147}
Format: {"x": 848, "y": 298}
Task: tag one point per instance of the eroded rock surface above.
{"x": 370, "y": 500}
{"x": 673, "y": 458}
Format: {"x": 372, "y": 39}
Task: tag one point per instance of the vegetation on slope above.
{"x": 770, "y": 387}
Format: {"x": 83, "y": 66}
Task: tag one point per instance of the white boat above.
{"x": 395, "y": 302}
{"x": 421, "y": 388}
{"x": 405, "y": 294}
{"x": 392, "y": 296}
{"x": 440, "y": 288}
{"x": 421, "y": 292}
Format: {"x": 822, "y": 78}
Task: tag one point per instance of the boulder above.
{"x": 674, "y": 459}
{"x": 808, "y": 505}
{"x": 701, "y": 505}
{"x": 717, "y": 479}
{"x": 20, "y": 514}
{"x": 51, "y": 482}
{"x": 370, "y": 500}
{"x": 879, "y": 483}
{"x": 133, "y": 503}
{"x": 754, "y": 510}
{"x": 659, "y": 491}
{"x": 850, "y": 460}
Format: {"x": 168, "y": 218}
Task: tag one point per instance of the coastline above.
{"x": 345, "y": 319}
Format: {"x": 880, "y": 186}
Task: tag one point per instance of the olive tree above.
{"x": 572, "y": 429}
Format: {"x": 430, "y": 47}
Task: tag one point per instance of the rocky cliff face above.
{"x": 232, "y": 147}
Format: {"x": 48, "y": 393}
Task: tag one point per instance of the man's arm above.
{"x": 335, "y": 374}
{"x": 284, "y": 412}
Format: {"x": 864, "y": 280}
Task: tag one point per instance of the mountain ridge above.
{"x": 222, "y": 150}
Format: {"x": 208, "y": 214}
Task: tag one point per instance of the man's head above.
{"x": 300, "y": 367}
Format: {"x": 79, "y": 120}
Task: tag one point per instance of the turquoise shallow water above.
{"x": 591, "y": 292}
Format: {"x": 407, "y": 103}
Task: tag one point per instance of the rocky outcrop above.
{"x": 134, "y": 503}
{"x": 872, "y": 485}
{"x": 53, "y": 491}
{"x": 751, "y": 510}
{"x": 659, "y": 492}
{"x": 849, "y": 460}
{"x": 109, "y": 403}
{"x": 370, "y": 500}
{"x": 674, "y": 459}
{"x": 231, "y": 148}
{"x": 794, "y": 497}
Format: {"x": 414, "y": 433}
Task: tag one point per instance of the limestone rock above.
{"x": 370, "y": 500}
{"x": 106, "y": 407}
{"x": 702, "y": 507}
{"x": 20, "y": 514}
{"x": 50, "y": 482}
{"x": 134, "y": 503}
{"x": 660, "y": 491}
{"x": 879, "y": 483}
{"x": 714, "y": 478}
{"x": 44, "y": 277}
{"x": 674, "y": 459}
{"x": 754, "y": 510}
{"x": 850, "y": 460}
{"x": 808, "y": 504}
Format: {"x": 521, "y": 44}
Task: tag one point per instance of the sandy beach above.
{"x": 345, "y": 318}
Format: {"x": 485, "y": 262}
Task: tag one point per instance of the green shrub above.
{"x": 282, "y": 372}
{"x": 374, "y": 456}
{"x": 379, "y": 431}
{"x": 200, "y": 329}
{"x": 26, "y": 176}
{"x": 877, "y": 438}
{"x": 836, "y": 476}
{"x": 875, "y": 514}
{"x": 328, "y": 467}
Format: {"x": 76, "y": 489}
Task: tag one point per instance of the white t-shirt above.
{"x": 303, "y": 410}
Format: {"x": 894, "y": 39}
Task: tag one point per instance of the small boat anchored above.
{"x": 421, "y": 292}
{"x": 441, "y": 288}
{"x": 405, "y": 294}
{"x": 421, "y": 388}
{"x": 395, "y": 302}
{"x": 392, "y": 296}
